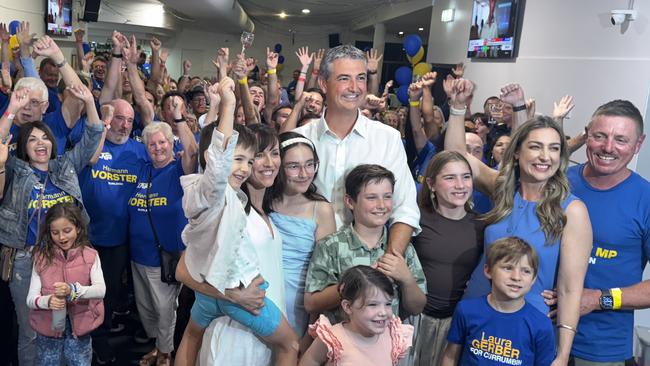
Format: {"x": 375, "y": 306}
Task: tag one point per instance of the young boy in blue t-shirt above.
{"x": 501, "y": 328}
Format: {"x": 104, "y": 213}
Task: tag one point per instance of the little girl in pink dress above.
{"x": 372, "y": 335}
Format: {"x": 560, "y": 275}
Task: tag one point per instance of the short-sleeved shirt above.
{"x": 164, "y": 200}
{"x": 51, "y": 196}
{"x": 342, "y": 250}
{"x": 489, "y": 337}
{"x": 106, "y": 187}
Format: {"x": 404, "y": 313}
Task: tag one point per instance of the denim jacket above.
{"x": 21, "y": 179}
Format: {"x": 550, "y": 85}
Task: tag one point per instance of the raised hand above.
{"x": 513, "y": 93}
{"x": 130, "y": 52}
{"x": 107, "y": 111}
{"x": 304, "y": 56}
{"x": 271, "y": 59}
{"x": 213, "y": 95}
{"x": 250, "y": 64}
{"x": 429, "y": 79}
{"x": 19, "y": 99}
{"x": 373, "y": 58}
{"x": 87, "y": 61}
{"x": 23, "y": 35}
{"x": 240, "y": 70}
{"x": 5, "y": 76}
{"x": 4, "y": 150}
{"x": 563, "y": 107}
{"x": 82, "y": 93}
{"x": 79, "y": 35}
{"x": 187, "y": 67}
{"x": 227, "y": 91}
{"x": 4, "y": 34}
{"x": 415, "y": 91}
{"x": 119, "y": 42}
{"x": 459, "y": 91}
{"x": 530, "y": 108}
{"x": 458, "y": 71}
{"x": 221, "y": 60}
{"x": 155, "y": 44}
{"x": 318, "y": 57}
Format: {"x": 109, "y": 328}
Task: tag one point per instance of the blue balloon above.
{"x": 412, "y": 44}
{"x": 281, "y": 59}
{"x": 403, "y": 94}
{"x": 13, "y": 26}
{"x": 86, "y": 47}
{"x": 278, "y": 48}
{"x": 404, "y": 76}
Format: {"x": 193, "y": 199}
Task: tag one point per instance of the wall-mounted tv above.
{"x": 494, "y": 32}
{"x": 59, "y": 17}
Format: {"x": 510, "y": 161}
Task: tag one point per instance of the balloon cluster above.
{"x": 277, "y": 49}
{"x": 13, "y": 40}
{"x": 404, "y": 75}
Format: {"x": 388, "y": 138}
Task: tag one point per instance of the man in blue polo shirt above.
{"x": 618, "y": 201}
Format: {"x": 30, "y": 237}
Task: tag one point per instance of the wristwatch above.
{"x": 606, "y": 300}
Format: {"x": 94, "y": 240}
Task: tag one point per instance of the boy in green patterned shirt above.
{"x": 369, "y": 194}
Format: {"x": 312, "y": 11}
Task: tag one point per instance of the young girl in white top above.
{"x": 66, "y": 289}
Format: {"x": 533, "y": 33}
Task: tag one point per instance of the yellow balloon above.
{"x": 421, "y": 69}
{"x": 280, "y": 67}
{"x": 417, "y": 58}
{"x": 13, "y": 42}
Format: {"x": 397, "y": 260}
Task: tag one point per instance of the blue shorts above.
{"x": 206, "y": 309}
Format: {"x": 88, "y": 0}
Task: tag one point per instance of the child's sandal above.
{"x": 149, "y": 359}
{"x": 164, "y": 359}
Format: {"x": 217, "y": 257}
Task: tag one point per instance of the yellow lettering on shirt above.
{"x": 606, "y": 253}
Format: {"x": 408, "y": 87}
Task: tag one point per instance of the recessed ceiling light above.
{"x": 282, "y": 15}
{"x": 420, "y": 29}
{"x": 400, "y": 33}
{"x": 306, "y": 11}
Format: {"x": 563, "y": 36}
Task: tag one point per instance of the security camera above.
{"x": 621, "y": 15}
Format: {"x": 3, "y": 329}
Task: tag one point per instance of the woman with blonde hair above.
{"x": 532, "y": 201}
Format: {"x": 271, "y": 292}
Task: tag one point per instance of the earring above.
{"x": 432, "y": 196}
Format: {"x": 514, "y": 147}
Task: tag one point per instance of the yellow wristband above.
{"x": 617, "y": 296}
{"x": 271, "y": 71}
{"x": 243, "y": 81}
{"x": 414, "y": 104}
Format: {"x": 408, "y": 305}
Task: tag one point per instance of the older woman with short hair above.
{"x": 156, "y": 216}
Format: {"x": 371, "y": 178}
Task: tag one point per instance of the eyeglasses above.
{"x": 35, "y": 103}
{"x": 294, "y": 169}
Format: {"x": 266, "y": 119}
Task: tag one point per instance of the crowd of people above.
{"x": 317, "y": 223}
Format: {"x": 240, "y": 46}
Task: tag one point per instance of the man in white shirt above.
{"x": 344, "y": 138}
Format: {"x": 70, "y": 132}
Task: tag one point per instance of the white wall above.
{"x": 566, "y": 47}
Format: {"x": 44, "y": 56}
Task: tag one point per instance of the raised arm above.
{"x": 562, "y": 108}
{"x": 130, "y": 54}
{"x": 18, "y": 100}
{"x": 227, "y": 107}
{"x": 221, "y": 61}
{"x": 241, "y": 71}
{"x": 25, "y": 40}
{"x": 574, "y": 257}
{"x": 185, "y": 78}
{"x": 318, "y": 57}
{"x": 431, "y": 128}
{"x": 4, "y": 155}
{"x": 79, "y": 47}
{"x": 190, "y": 148}
{"x": 114, "y": 69}
{"x": 374, "y": 58}
{"x": 156, "y": 67}
{"x": 273, "y": 95}
{"x": 458, "y": 91}
{"x": 305, "y": 59}
{"x": 84, "y": 151}
{"x": 415, "y": 117}
{"x": 107, "y": 111}
{"x": 292, "y": 121}
{"x": 513, "y": 93}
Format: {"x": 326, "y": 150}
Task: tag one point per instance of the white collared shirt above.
{"x": 369, "y": 142}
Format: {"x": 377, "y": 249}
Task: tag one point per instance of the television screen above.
{"x": 494, "y": 29}
{"x": 59, "y": 17}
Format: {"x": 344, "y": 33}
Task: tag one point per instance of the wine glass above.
{"x": 246, "y": 40}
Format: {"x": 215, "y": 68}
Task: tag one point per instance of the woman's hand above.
{"x": 62, "y": 289}
{"x": 56, "y": 303}
{"x": 82, "y": 93}
{"x": 19, "y": 99}
{"x": 250, "y": 298}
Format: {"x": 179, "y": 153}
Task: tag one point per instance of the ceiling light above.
{"x": 306, "y": 11}
{"x": 447, "y": 15}
{"x": 282, "y": 15}
{"x": 420, "y": 29}
{"x": 401, "y": 33}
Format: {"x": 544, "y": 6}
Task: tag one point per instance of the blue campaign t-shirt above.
{"x": 65, "y": 137}
{"x": 106, "y": 187}
{"x": 51, "y": 195}
{"x": 489, "y": 337}
{"x": 53, "y": 99}
{"x": 620, "y": 219}
{"x": 165, "y": 201}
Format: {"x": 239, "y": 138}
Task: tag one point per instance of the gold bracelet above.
{"x": 243, "y": 81}
{"x": 564, "y": 326}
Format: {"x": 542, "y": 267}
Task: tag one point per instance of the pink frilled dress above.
{"x": 342, "y": 350}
